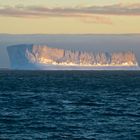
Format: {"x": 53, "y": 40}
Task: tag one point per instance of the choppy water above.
{"x": 70, "y": 105}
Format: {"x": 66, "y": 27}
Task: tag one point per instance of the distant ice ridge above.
{"x": 43, "y": 57}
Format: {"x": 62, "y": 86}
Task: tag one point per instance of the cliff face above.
{"x": 46, "y": 55}
{"x": 17, "y": 57}
{"x": 30, "y": 56}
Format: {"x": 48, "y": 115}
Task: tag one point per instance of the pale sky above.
{"x": 69, "y": 16}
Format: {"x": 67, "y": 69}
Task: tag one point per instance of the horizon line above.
{"x": 70, "y": 34}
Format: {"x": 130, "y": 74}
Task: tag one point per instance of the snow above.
{"x": 28, "y": 56}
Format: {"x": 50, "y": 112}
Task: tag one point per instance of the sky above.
{"x": 69, "y": 16}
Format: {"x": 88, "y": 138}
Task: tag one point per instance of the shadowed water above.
{"x": 70, "y": 105}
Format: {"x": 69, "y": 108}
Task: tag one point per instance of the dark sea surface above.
{"x": 70, "y": 105}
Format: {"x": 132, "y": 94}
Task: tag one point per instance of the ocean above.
{"x": 69, "y": 105}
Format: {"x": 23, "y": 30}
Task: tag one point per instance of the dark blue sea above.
{"x": 70, "y": 105}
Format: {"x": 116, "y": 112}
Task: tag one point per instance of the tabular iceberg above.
{"x": 42, "y": 57}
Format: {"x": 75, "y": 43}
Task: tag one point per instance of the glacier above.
{"x": 42, "y": 57}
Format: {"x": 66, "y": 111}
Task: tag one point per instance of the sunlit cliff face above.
{"x": 54, "y": 56}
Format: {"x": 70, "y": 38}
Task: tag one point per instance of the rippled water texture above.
{"x": 70, "y": 105}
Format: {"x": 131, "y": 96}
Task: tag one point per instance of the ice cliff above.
{"x": 42, "y": 57}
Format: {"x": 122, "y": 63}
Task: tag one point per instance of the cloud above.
{"x": 96, "y": 19}
{"x": 78, "y": 12}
